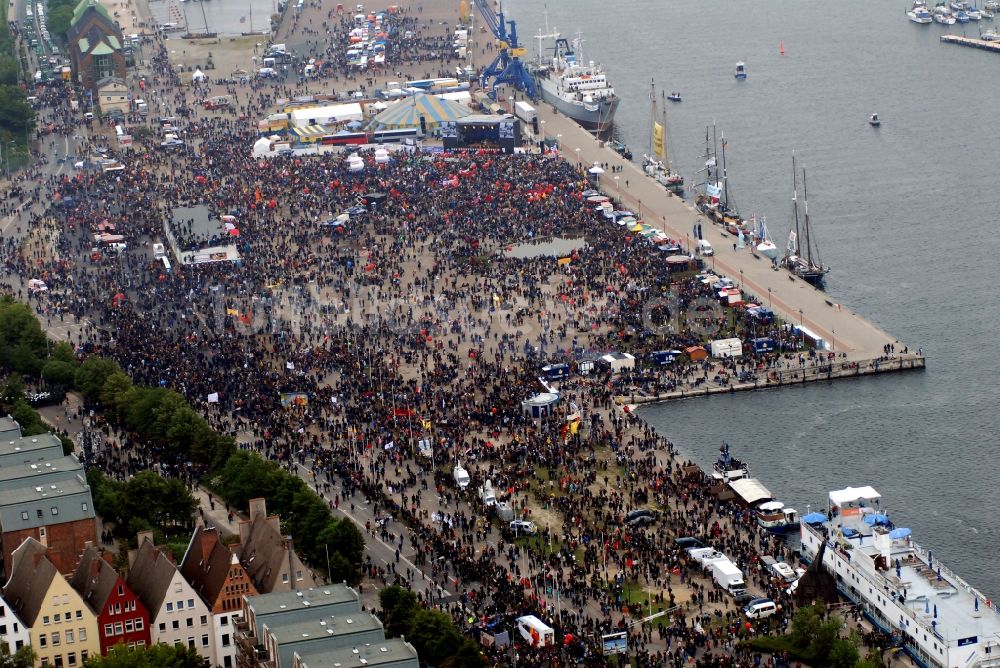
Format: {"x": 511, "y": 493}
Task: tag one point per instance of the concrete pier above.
{"x": 975, "y": 43}
{"x": 839, "y": 368}
{"x": 792, "y": 299}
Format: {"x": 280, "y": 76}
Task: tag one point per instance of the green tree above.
{"x": 24, "y": 657}
{"x": 344, "y": 537}
{"x": 148, "y": 501}
{"x": 467, "y": 656}
{"x": 26, "y": 416}
{"x": 398, "y": 605}
{"x": 843, "y": 654}
{"x": 13, "y": 388}
{"x": 806, "y": 623}
{"x": 826, "y": 636}
{"x": 63, "y": 352}
{"x": 19, "y": 328}
{"x": 434, "y": 636}
{"x": 59, "y": 373}
{"x": 159, "y": 655}
{"x": 92, "y": 374}
{"x": 104, "y": 491}
{"x": 60, "y": 18}
{"x": 114, "y": 389}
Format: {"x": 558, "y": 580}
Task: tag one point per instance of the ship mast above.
{"x": 805, "y": 208}
{"x": 795, "y": 206}
{"x": 652, "y": 124}
{"x": 663, "y": 110}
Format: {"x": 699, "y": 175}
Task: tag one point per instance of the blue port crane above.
{"x": 507, "y": 67}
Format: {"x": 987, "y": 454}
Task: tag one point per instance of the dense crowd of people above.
{"x": 410, "y": 322}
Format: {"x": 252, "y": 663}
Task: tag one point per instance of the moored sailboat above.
{"x": 656, "y": 164}
{"x": 801, "y": 254}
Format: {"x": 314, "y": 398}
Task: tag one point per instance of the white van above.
{"x": 461, "y": 476}
{"x": 759, "y": 608}
{"x": 159, "y": 251}
{"x": 703, "y": 247}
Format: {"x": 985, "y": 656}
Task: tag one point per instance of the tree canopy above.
{"x": 431, "y": 632}
{"x": 159, "y": 655}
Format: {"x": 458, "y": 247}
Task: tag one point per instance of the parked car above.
{"x": 641, "y": 517}
{"x": 523, "y": 526}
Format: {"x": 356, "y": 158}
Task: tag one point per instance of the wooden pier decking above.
{"x": 985, "y": 45}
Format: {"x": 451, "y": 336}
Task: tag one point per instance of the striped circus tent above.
{"x": 407, "y": 112}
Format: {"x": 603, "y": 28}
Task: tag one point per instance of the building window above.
{"x": 119, "y": 628}
{"x": 204, "y": 620}
{"x": 225, "y": 640}
{"x": 104, "y": 66}
{"x": 45, "y": 662}
{"x": 179, "y": 587}
{"x": 121, "y": 590}
{"x": 190, "y": 602}
{"x": 40, "y": 513}
{"x": 43, "y": 641}
{"x": 71, "y": 659}
{"x": 129, "y": 626}
{"x": 83, "y": 653}
{"x": 191, "y": 642}
{"x": 298, "y": 575}
{"x": 284, "y": 578}
{"x": 109, "y": 630}
{"x": 176, "y": 624}
{"x": 55, "y": 639}
{"x": 227, "y": 661}
{"x": 69, "y": 636}
{"x": 83, "y": 506}
{"x": 56, "y": 618}
{"x": 45, "y": 620}
{"x": 139, "y": 625}
{"x": 204, "y": 641}
{"x": 24, "y": 514}
{"x": 224, "y": 620}
{"x": 79, "y": 614}
{"x": 190, "y": 621}
{"x": 3, "y": 629}
{"x": 170, "y": 607}
{"x": 83, "y": 638}
{"x": 55, "y": 510}
{"x": 163, "y": 627}
{"x": 58, "y": 660}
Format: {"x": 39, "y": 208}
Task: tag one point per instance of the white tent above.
{"x": 596, "y": 169}
{"x": 262, "y": 147}
{"x": 198, "y": 76}
{"x": 381, "y": 156}
{"x": 355, "y": 164}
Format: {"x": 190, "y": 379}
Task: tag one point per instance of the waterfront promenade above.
{"x": 792, "y": 299}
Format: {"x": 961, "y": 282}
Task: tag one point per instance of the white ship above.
{"x": 938, "y": 618}
{"x": 578, "y": 90}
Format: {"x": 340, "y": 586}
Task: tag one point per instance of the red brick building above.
{"x": 43, "y": 495}
{"x": 121, "y": 616}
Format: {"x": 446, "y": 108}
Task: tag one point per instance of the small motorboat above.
{"x": 674, "y": 97}
{"x": 874, "y": 121}
{"x": 741, "y": 70}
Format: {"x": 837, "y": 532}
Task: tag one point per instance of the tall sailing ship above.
{"x": 656, "y": 164}
{"x": 801, "y": 253}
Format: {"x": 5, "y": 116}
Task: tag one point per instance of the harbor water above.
{"x": 906, "y": 215}
{"x": 225, "y": 17}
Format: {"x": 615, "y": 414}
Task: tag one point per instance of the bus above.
{"x": 394, "y": 136}
{"x": 344, "y": 139}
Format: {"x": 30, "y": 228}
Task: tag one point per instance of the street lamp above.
{"x": 801, "y": 333}
{"x": 769, "y": 298}
{"x": 10, "y": 146}
{"x": 618, "y": 189}
{"x": 741, "y": 278}
{"x": 833, "y": 339}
